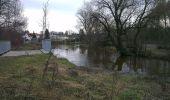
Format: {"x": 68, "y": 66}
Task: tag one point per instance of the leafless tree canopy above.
{"x": 118, "y": 17}
{"x": 11, "y": 15}
{"x": 45, "y": 13}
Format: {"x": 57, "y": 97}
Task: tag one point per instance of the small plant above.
{"x": 129, "y": 95}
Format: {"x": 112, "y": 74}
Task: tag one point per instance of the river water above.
{"x": 104, "y": 58}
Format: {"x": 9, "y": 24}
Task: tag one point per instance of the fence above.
{"x": 5, "y": 46}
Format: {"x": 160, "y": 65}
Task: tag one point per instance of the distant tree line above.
{"x": 125, "y": 24}
{"x": 158, "y": 29}
{"x": 12, "y": 21}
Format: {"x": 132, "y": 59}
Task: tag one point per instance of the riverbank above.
{"x": 21, "y": 78}
{"x": 151, "y": 52}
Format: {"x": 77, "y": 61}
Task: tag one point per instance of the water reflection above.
{"x": 143, "y": 66}
{"x": 105, "y": 58}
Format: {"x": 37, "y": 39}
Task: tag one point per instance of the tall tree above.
{"x": 90, "y": 25}
{"x": 119, "y": 18}
{"x": 45, "y": 14}
{"x": 159, "y": 24}
{"x": 11, "y": 15}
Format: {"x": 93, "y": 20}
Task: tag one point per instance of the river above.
{"x": 85, "y": 56}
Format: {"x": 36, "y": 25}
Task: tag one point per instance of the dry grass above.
{"x": 21, "y": 78}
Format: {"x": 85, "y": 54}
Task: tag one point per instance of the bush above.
{"x": 47, "y": 34}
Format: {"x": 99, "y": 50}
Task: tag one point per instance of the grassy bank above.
{"x": 28, "y": 46}
{"x": 21, "y": 79}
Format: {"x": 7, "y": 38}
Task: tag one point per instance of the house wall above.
{"x": 5, "y": 46}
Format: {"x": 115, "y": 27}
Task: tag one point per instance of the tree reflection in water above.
{"x": 105, "y": 57}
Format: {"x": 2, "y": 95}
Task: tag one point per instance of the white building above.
{"x": 58, "y": 36}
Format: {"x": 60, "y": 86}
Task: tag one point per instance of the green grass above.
{"x": 28, "y": 46}
{"x": 21, "y": 78}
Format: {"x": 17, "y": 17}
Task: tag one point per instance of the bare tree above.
{"x": 3, "y": 11}
{"x": 85, "y": 17}
{"x": 11, "y": 15}
{"x": 12, "y": 22}
{"x": 45, "y": 14}
{"x": 126, "y": 15}
{"x": 90, "y": 25}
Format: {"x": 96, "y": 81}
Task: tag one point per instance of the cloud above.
{"x": 33, "y": 4}
{"x": 59, "y": 21}
{"x": 34, "y": 18}
{"x": 62, "y": 14}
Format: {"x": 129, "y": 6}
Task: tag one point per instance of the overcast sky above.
{"x": 62, "y": 14}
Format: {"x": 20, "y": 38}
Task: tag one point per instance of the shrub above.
{"x": 47, "y": 34}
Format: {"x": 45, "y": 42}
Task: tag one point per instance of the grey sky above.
{"x": 62, "y": 14}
